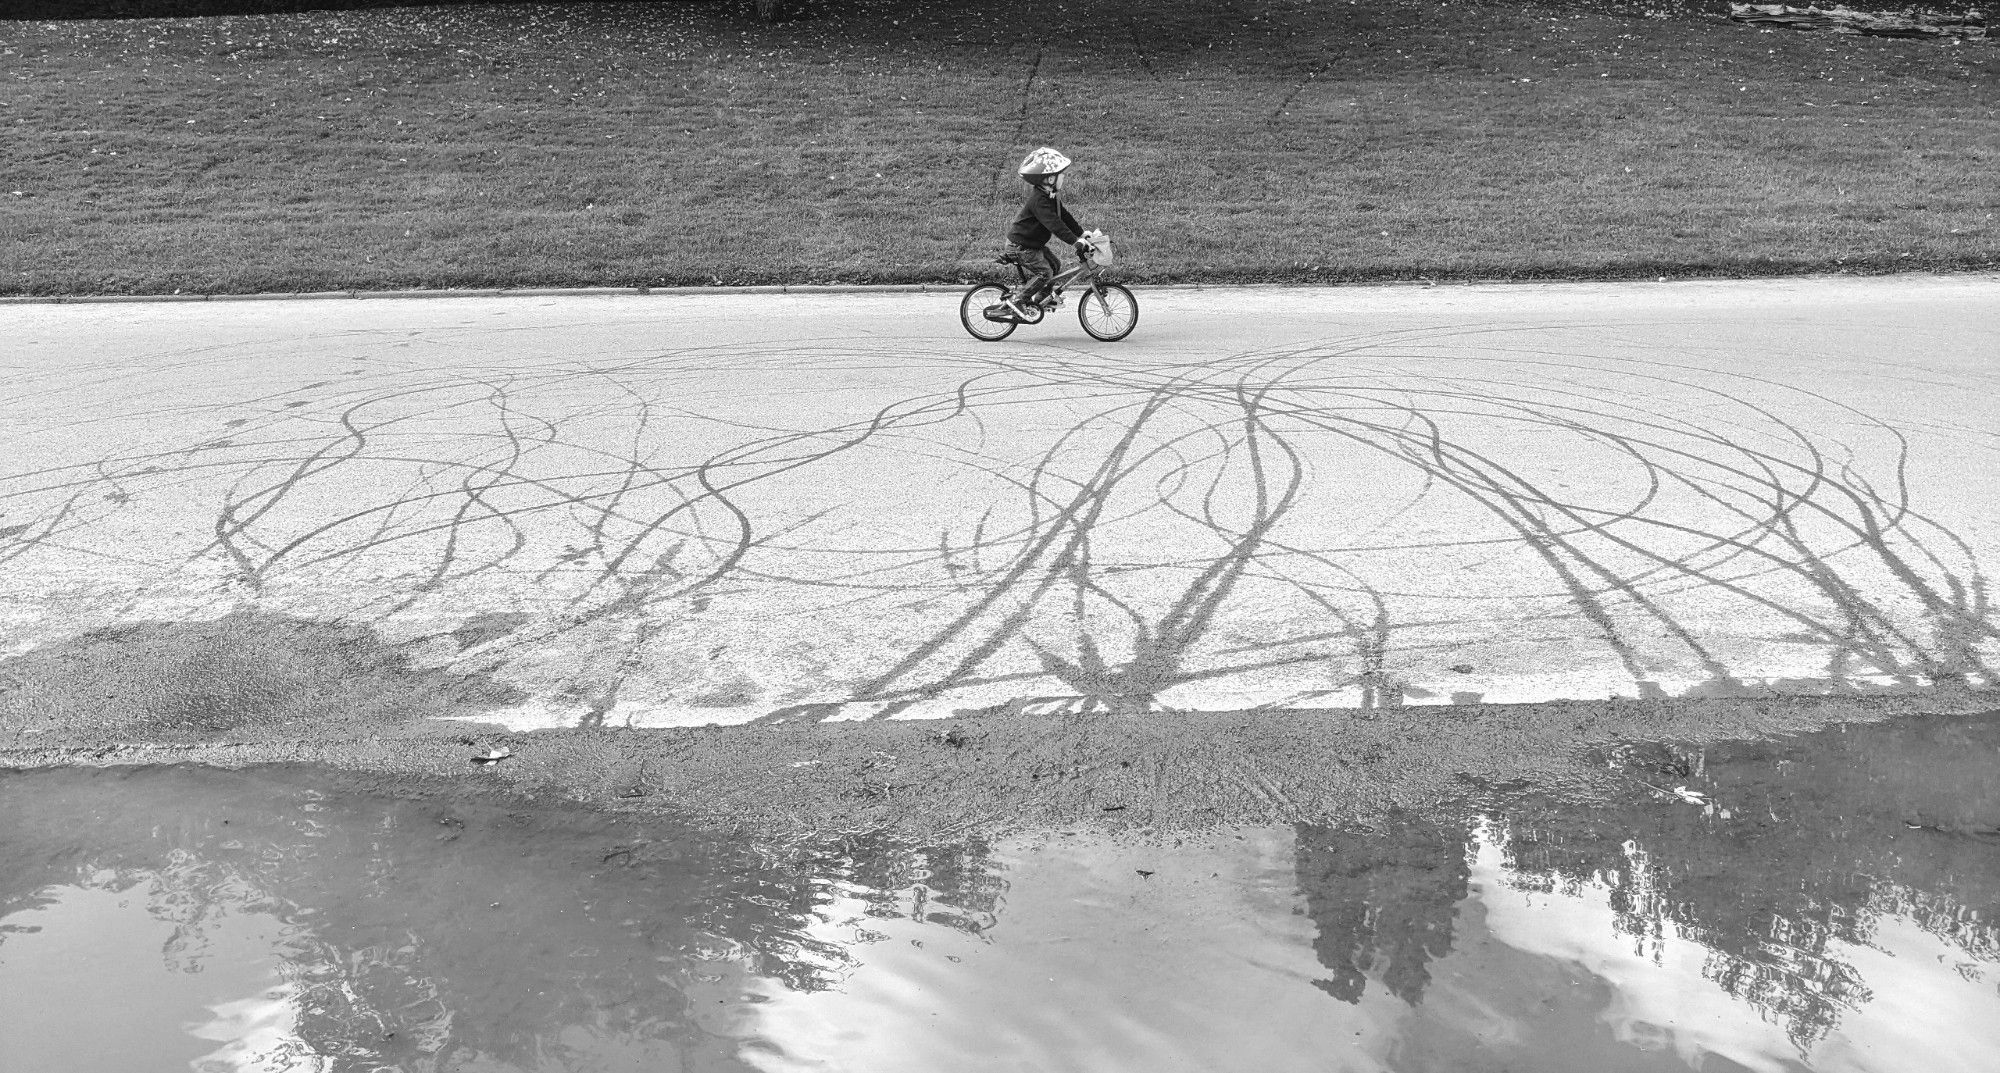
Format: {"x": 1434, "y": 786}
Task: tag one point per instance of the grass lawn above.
{"x": 875, "y": 141}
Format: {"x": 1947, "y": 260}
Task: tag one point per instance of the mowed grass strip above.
{"x": 874, "y": 142}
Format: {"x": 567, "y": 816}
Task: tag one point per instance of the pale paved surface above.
{"x": 666, "y": 510}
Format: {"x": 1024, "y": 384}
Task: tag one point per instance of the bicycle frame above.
{"x": 1087, "y": 270}
{"x": 995, "y": 301}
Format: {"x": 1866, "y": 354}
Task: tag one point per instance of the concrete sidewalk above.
{"x": 667, "y": 510}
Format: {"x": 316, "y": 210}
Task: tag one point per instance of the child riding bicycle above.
{"x": 1042, "y": 215}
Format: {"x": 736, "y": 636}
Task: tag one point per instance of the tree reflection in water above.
{"x": 1796, "y": 850}
{"x": 1384, "y": 901}
{"x": 451, "y": 933}
{"x": 442, "y": 933}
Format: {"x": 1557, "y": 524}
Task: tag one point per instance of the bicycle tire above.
{"x": 1117, "y": 312}
{"x": 972, "y": 313}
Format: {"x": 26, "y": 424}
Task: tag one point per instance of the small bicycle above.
{"x": 1106, "y": 310}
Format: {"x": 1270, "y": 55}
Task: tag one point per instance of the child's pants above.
{"x": 1041, "y": 264}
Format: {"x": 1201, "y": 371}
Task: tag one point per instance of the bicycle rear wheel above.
{"x": 972, "y": 313}
{"x": 1109, "y": 313}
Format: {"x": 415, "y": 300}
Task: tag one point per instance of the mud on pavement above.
{"x": 240, "y": 691}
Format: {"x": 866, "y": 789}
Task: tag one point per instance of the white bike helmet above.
{"x": 1043, "y": 162}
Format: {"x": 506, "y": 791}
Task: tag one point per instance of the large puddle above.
{"x": 1821, "y": 903}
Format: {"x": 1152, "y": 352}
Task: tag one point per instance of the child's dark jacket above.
{"x": 1042, "y": 215}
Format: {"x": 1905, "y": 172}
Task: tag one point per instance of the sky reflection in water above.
{"x": 1828, "y": 904}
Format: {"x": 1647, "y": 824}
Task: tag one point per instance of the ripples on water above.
{"x": 1822, "y": 903}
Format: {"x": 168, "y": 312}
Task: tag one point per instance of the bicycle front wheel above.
{"x": 1108, "y": 312}
{"x": 972, "y": 313}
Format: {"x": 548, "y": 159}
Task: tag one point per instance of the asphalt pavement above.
{"x": 680, "y": 509}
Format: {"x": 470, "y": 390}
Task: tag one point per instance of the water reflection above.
{"x": 455, "y": 934}
{"x": 1780, "y": 866}
{"x": 1385, "y": 901}
{"x": 1825, "y": 902}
